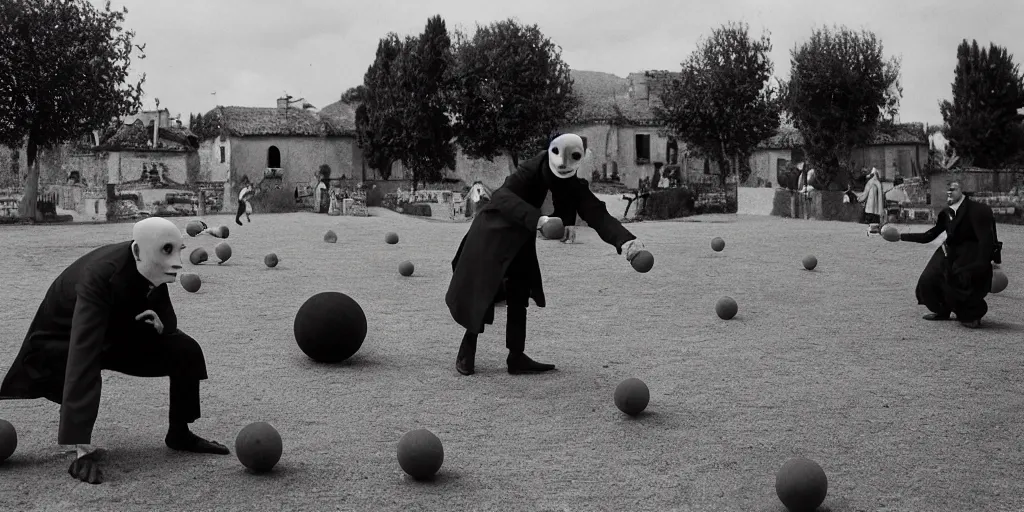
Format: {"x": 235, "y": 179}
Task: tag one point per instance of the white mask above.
{"x": 157, "y": 249}
{"x": 565, "y": 155}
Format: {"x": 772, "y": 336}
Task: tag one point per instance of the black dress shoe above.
{"x": 521, "y": 363}
{"x": 465, "y": 361}
{"x": 936, "y": 316}
{"x": 465, "y": 365}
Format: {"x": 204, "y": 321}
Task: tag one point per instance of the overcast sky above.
{"x": 249, "y": 52}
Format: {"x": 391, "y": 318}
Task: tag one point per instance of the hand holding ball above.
{"x": 553, "y": 229}
{"x": 890, "y": 233}
{"x": 643, "y": 261}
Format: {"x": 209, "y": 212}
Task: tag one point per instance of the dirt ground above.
{"x": 835, "y": 365}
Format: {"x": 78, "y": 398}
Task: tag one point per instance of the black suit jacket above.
{"x": 88, "y": 307}
{"x": 505, "y": 230}
{"x": 970, "y": 239}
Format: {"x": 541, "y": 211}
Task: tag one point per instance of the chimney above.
{"x": 282, "y": 103}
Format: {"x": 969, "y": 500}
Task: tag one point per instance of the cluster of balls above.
{"x": 999, "y": 279}
{"x": 554, "y": 229}
{"x": 191, "y": 281}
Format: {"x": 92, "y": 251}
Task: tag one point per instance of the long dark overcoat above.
{"x": 504, "y": 231}
{"x": 93, "y": 302}
{"x": 970, "y": 239}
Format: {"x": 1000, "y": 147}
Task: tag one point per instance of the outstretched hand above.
{"x": 153, "y": 319}
{"x": 87, "y": 467}
{"x": 632, "y": 248}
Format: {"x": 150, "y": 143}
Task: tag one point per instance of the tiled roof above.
{"x": 906, "y": 133}
{"x": 137, "y": 137}
{"x": 341, "y": 115}
{"x": 272, "y": 121}
{"x": 604, "y": 97}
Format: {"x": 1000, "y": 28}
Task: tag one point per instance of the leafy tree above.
{"x": 724, "y": 103}
{"x": 197, "y": 125}
{"x": 65, "y": 65}
{"x": 982, "y": 123}
{"x": 426, "y": 146}
{"x": 840, "y": 89}
{"x": 354, "y": 95}
{"x": 378, "y": 122}
{"x": 510, "y": 91}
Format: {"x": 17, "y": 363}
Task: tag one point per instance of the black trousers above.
{"x": 241, "y": 210}
{"x": 943, "y": 294}
{"x": 517, "y": 298}
{"x": 175, "y": 355}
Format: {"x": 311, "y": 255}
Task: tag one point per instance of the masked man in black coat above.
{"x": 497, "y": 259}
{"x": 110, "y": 310}
{"x": 959, "y": 274}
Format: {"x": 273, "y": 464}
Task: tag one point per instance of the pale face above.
{"x": 157, "y": 250}
{"x": 954, "y": 193}
{"x": 565, "y": 155}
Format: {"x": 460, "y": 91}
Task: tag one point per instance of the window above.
{"x": 643, "y": 148}
{"x": 222, "y": 154}
{"x": 273, "y": 158}
{"x": 672, "y": 152}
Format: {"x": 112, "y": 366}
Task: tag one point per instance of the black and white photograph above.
{"x": 513, "y": 256}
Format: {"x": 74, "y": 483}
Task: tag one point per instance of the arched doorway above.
{"x": 273, "y": 158}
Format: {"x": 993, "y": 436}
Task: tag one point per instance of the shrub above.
{"x": 419, "y": 209}
{"x": 275, "y": 200}
{"x": 669, "y": 203}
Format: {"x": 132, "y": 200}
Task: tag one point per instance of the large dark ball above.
{"x": 259, "y": 446}
{"x": 420, "y": 453}
{"x": 330, "y": 327}
{"x": 801, "y": 484}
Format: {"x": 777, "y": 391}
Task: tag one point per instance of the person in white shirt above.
{"x": 243, "y": 201}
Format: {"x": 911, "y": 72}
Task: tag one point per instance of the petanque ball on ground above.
{"x": 726, "y": 308}
{"x": 191, "y": 282}
{"x": 999, "y": 281}
{"x": 270, "y": 260}
{"x": 643, "y": 261}
{"x": 223, "y": 252}
{"x": 259, "y": 446}
{"x": 890, "y": 233}
{"x": 8, "y": 440}
{"x": 553, "y": 229}
{"x": 198, "y": 256}
{"x": 420, "y": 454}
{"x": 223, "y": 231}
{"x": 330, "y": 237}
{"x": 801, "y": 484}
{"x": 717, "y": 244}
{"x": 632, "y": 396}
{"x": 194, "y": 227}
{"x": 330, "y": 327}
{"x": 391, "y": 238}
{"x": 406, "y": 268}
{"x": 810, "y": 262}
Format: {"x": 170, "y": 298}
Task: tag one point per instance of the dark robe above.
{"x": 958, "y": 282}
{"x": 502, "y": 240}
{"x": 86, "y": 323}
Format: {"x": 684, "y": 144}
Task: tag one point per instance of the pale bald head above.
{"x": 157, "y": 246}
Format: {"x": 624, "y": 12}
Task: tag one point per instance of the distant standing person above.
{"x": 243, "y": 201}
